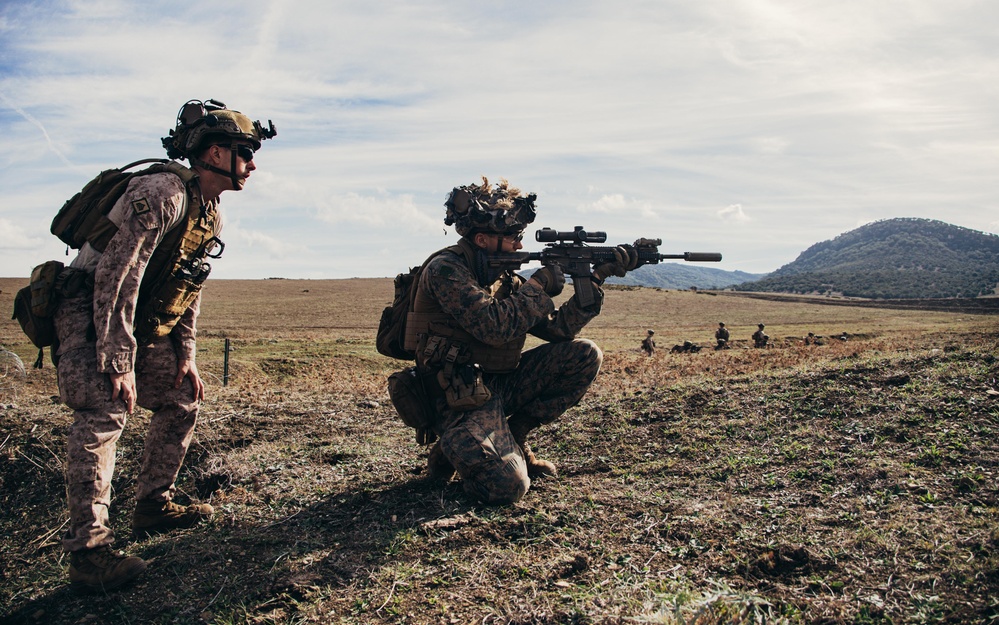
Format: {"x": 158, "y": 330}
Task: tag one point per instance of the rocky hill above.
{"x": 893, "y": 259}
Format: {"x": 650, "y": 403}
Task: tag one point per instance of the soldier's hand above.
{"x": 551, "y": 279}
{"x": 625, "y": 259}
{"x": 123, "y": 386}
{"x": 188, "y": 369}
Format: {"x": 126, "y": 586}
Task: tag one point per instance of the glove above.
{"x": 625, "y": 259}
{"x": 551, "y": 279}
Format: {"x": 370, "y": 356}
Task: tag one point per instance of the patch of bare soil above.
{"x": 861, "y": 488}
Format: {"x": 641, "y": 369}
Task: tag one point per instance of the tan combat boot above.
{"x": 102, "y": 569}
{"x": 438, "y": 466}
{"x": 520, "y": 428}
{"x": 537, "y": 468}
{"x": 151, "y": 517}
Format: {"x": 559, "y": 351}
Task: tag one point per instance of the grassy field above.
{"x": 852, "y": 482}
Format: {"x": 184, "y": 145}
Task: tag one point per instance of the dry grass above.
{"x": 850, "y": 482}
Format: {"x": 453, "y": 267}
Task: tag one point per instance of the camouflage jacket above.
{"x": 151, "y": 207}
{"x": 504, "y": 311}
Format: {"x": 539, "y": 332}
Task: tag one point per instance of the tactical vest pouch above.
{"x": 164, "y": 313}
{"x": 39, "y": 330}
{"x": 389, "y": 341}
{"x": 397, "y": 331}
{"x": 412, "y": 403}
{"x": 35, "y": 304}
{"x": 44, "y": 297}
{"x": 461, "y": 380}
{"x": 502, "y": 359}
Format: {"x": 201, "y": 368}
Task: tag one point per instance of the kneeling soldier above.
{"x": 472, "y": 321}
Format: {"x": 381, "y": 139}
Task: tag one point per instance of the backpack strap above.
{"x": 104, "y": 229}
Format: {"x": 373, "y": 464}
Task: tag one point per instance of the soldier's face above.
{"x": 496, "y": 244}
{"x": 244, "y": 163}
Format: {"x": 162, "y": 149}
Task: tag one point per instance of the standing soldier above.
{"x": 721, "y": 336}
{"x": 648, "y": 344}
{"x": 472, "y": 320}
{"x": 759, "y": 337}
{"x": 132, "y": 339}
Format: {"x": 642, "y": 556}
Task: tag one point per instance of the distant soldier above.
{"x": 687, "y": 348}
{"x": 760, "y": 338}
{"x": 648, "y": 344}
{"x": 843, "y": 337}
{"x": 721, "y": 336}
{"x": 810, "y": 339}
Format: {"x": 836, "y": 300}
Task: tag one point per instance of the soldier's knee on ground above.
{"x": 489, "y": 461}
{"x": 590, "y": 351}
{"x": 499, "y": 489}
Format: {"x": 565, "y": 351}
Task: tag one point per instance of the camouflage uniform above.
{"x": 549, "y": 379}
{"x": 96, "y": 338}
{"x": 760, "y": 338}
{"x": 649, "y": 345}
{"x": 721, "y": 337}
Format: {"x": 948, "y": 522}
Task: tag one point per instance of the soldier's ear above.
{"x": 214, "y": 154}
{"x": 481, "y": 239}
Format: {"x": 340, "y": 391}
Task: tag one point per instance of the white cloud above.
{"x": 639, "y": 118}
{"x": 617, "y": 205}
{"x": 14, "y": 237}
{"x": 378, "y": 211}
{"x": 734, "y": 213}
{"x": 254, "y": 242}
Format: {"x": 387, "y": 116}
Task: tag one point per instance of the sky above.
{"x": 754, "y": 128}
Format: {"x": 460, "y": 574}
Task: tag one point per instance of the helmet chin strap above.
{"x": 231, "y": 174}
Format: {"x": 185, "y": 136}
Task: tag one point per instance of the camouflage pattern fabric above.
{"x": 648, "y": 345}
{"x": 550, "y": 378}
{"x": 151, "y": 206}
{"x": 95, "y": 338}
{"x": 496, "y": 314}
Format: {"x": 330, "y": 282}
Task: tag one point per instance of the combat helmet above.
{"x": 204, "y": 123}
{"x": 499, "y": 209}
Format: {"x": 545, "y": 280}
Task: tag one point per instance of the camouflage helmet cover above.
{"x": 499, "y": 209}
{"x": 201, "y": 124}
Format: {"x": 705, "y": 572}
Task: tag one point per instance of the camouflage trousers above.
{"x": 550, "y": 379}
{"x": 98, "y": 423}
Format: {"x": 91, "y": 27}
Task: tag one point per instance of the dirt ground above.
{"x": 850, "y": 482}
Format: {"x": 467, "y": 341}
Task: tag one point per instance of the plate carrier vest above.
{"x": 428, "y": 320}
{"x": 176, "y": 271}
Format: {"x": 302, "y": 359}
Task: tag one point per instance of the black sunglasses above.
{"x": 244, "y": 152}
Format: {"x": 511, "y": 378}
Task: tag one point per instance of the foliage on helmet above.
{"x": 202, "y": 124}
{"x": 499, "y": 209}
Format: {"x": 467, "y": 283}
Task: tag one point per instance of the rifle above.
{"x": 570, "y": 252}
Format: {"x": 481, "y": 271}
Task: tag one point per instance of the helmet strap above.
{"x": 232, "y": 168}
{"x": 231, "y": 174}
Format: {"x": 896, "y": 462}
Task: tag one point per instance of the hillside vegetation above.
{"x": 846, "y": 482}
{"x": 893, "y": 259}
{"x": 676, "y": 275}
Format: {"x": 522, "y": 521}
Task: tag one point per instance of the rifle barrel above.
{"x": 694, "y": 257}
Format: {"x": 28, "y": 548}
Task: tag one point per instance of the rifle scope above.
{"x": 578, "y": 235}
